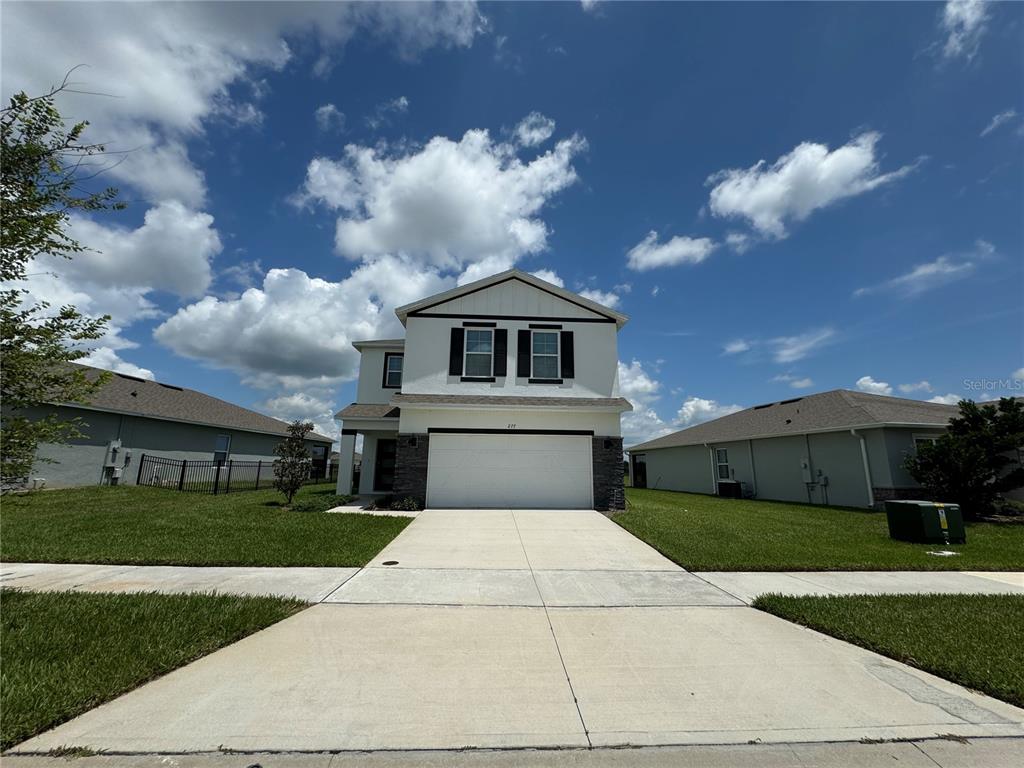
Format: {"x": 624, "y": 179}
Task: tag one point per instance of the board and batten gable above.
{"x": 511, "y": 306}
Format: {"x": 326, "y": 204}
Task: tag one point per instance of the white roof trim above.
{"x": 379, "y": 344}
{"x": 405, "y": 406}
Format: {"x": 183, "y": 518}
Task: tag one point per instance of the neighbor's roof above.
{"x": 838, "y": 409}
{"x": 367, "y": 411}
{"x": 142, "y": 397}
{"x": 379, "y": 344}
{"x": 499, "y": 401}
{"x": 511, "y": 274}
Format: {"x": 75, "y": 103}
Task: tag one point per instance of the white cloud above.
{"x": 549, "y": 276}
{"x": 869, "y": 385}
{"x": 736, "y": 347}
{"x": 964, "y": 23}
{"x": 1018, "y": 374}
{"x": 383, "y": 112}
{"x": 920, "y": 386}
{"x": 108, "y": 359}
{"x": 933, "y": 274}
{"x": 642, "y": 390}
{"x": 949, "y": 399}
{"x": 589, "y": 5}
{"x": 793, "y": 381}
{"x": 696, "y": 410}
{"x": 739, "y": 242}
{"x": 316, "y": 407}
{"x": 808, "y": 178}
{"x": 788, "y": 349}
{"x": 449, "y": 204}
{"x": 1001, "y": 119}
{"x": 534, "y": 129}
{"x": 607, "y": 298}
{"x": 650, "y": 254}
{"x": 329, "y": 118}
{"x": 266, "y": 333}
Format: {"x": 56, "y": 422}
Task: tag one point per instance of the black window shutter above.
{"x": 568, "y": 356}
{"x": 500, "y": 352}
{"x": 523, "y": 355}
{"x": 455, "y": 352}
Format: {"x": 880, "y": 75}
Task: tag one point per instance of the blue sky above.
{"x": 785, "y": 198}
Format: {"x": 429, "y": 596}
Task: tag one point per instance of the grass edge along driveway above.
{"x": 973, "y": 640}
{"x": 65, "y": 653}
{"x": 131, "y": 525}
{"x": 708, "y": 533}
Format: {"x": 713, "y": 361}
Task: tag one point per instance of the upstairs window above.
{"x": 545, "y": 355}
{"x": 920, "y": 440}
{"x": 393, "y": 362}
{"x": 222, "y": 448}
{"x": 479, "y": 353}
{"x": 722, "y": 460}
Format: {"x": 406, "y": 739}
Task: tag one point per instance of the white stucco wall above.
{"x": 370, "y": 388}
{"x": 686, "y": 468}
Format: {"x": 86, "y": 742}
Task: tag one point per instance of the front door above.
{"x": 384, "y": 465}
{"x": 640, "y": 471}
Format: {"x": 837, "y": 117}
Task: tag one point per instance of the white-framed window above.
{"x": 393, "y": 362}
{"x": 722, "y": 461}
{"x": 545, "y": 354}
{"x": 222, "y": 448}
{"x": 920, "y": 440}
{"x": 479, "y": 362}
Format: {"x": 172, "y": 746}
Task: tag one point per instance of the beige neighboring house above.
{"x": 841, "y": 447}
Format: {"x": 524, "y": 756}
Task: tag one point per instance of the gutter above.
{"x": 867, "y": 467}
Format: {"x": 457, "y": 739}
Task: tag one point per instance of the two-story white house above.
{"x": 503, "y": 394}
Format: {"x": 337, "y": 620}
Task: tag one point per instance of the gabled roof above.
{"x": 141, "y": 397}
{"x": 827, "y": 411}
{"x": 502, "y": 277}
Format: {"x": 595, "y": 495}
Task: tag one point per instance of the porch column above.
{"x": 346, "y": 459}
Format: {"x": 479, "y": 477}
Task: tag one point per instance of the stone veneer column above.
{"x": 411, "y": 467}
{"x": 609, "y": 493}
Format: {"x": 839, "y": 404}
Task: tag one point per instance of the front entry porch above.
{"x": 379, "y": 433}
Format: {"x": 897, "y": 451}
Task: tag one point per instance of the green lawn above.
{"x": 65, "y": 653}
{"x": 708, "y": 533}
{"x": 974, "y": 640}
{"x": 156, "y": 526}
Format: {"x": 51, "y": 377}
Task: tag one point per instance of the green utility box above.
{"x": 926, "y": 522}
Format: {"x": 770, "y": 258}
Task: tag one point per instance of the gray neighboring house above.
{"x": 130, "y": 416}
{"x": 840, "y": 447}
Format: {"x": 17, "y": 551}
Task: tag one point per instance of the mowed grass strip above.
{"x": 65, "y": 653}
{"x": 974, "y": 640}
{"x": 708, "y": 533}
{"x": 155, "y": 526}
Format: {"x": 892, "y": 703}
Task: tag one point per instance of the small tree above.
{"x": 977, "y": 459}
{"x": 42, "y": 166}
{"x": 291, "y": 468}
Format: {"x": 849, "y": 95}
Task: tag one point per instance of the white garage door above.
{"x": 509, "y": 471}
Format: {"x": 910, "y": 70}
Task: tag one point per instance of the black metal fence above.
{"x": 197, "y": 476}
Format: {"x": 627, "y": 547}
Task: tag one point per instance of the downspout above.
{"x": 753, "y": 468}
{"x": 714, "y": 469}
{"x": 867, "y": 467}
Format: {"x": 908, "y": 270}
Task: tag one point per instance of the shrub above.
{"x": 408, "y": 504}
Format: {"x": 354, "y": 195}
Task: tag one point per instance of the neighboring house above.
{"x": 503, "y": 394}
{"x": 840, "y": 447}
{"x": 130, "y": 416}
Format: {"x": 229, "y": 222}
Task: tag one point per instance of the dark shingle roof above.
{"x": 512, "y": 401}
{"x": 141, "y": 397}
{"x": 838, "y": 409}
{"x": 367, "y": 411}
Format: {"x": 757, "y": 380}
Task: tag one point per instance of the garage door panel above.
{"x": 509, "y": 471}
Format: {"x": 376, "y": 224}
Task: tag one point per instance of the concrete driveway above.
{"x": 529, "y": 629}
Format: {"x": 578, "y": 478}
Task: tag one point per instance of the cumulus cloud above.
{"x": 329, "y": 119}
{"x": 933, "y": 274}
{"x": 549, "y": 276}
{"x": 317, "y": 408}
{"x": 1018, "y": 374}
{"x": 266, "y": 334}
{"x": 534, "y": 129}
{"x": 918, "y": 386}
{"x": 736, "y": 346}
{"x": 949, "y": 399}
{"x": 998, "y": 120}
{"x": 448, "y": 203}
{"x": 696, "y": 410}
{"x": 869, "y": 385}
{"x": 650, "y": 254}
{"x": 642, "y": 390}
{"x": 963, "y": 22}
{"x": 808, "y": 178}
{"x": 108, "y": 359}
{"x": 788, "y": 349}
{"x": 384, "y": 111}
{"x": 607, "y": 298}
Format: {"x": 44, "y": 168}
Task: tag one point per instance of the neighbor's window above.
{"x": 222, "y": 448}
{"x": 722, "y": 458}
{"x": 545, "y": 355}
{"x": 479, "y": 351}
{"x": 920, "y": 440}
{"x": 393, "y": 370}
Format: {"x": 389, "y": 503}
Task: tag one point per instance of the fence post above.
{"x": 181, "y": 480}
{"x": 216, "y": 476}
{"x": 227, "y": 486}
{"x": 138, "y": 477}
{"x": 259, "y": 466}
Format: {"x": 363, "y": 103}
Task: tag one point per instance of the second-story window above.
{"x": 479, "y": 352}
{"x": 545, "y": 354}
{"x": 393, "y": 370}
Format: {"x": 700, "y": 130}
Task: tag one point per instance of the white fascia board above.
{"x": 507, "y": 407}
